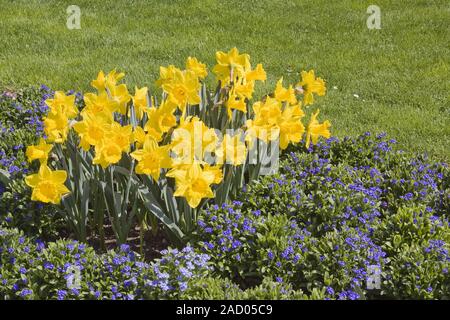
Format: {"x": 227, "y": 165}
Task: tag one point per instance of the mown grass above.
{"x": 396, "y": 79}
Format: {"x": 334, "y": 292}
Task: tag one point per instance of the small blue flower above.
{"x": 26, "y": 292}
{"x": 75, "y": 291}
{"x": 125, "y": 248}
{"x": 61, "y": 294}
{"x": 183, "y": 286}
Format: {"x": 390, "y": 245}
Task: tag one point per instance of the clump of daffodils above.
{"x": 189, "y": 138}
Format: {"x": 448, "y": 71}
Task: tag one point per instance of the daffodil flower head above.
{"x": 311, "y": 85}
{"x": 232, "y": 150}
{"x": 48, "y": 186}
{"x": 113, "y": 77}
{"x": 235, "y": 103}
{"x": 152, "y": 158}
{"x": 316, "y": 130}
{"x": 231, "y": 65}
{"x": 39, "y": 152}
{"x": 62, "y": 104}
{"x": 267, "y": 112}
{"x": 257, "y": 74}
{"x": 192, "y": 139}
{"x": 198, "y": 68}
{"x": 92, "y": 130}
{"x": 103, "y": 82}
{"x": 99, "y": 105}
{"x": 56, "y": 127}
{"x": 107, "y": 153}
{"x": 244, "y": 89}
{"x": 100, "y": 82}
{"x": 139, "y": 136}
{"x": 285, "y": 94}
{"x": 161, "y": 119}
{"x": 122, "y": 136}
{"x": 121, "y": 96}
{"x": 140, "y": 102}
{"x": 183, "y": 89}
{"x": 216, "y": 171}
{"x": 166, "y": 75}
{"x": 193, "y": 183}
{"x": 291, "y": 127}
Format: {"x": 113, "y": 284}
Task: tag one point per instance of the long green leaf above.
{"x": 5, "y": 177}
{"x": 149, "y": 202}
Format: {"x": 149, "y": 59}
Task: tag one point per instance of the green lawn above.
{"x": 396, "y": 79}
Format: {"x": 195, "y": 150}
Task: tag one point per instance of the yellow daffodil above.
{"x": 257, "y": 74}
{"x": 100, "y": 82}
{"x": 121, "y": 96}
{"x": 197, "y": 67}
{"x": 161, "y": 120}
{"x": 231, "y": 65}
{"x": 48, "y": 186}
{"x": 216, "y": 171}
{"x": 316, "y": 130}
{"x": 192, "y": 139}
{"x": 140, "y": 102}
{"x": 139, "y": 136}
{"x": 285, "y": 95}
{"x": 193, "y": 183}
{"x": 271, "y": 122}
{"x": 92, "y": 130}
{"x": 183, "y": 89}
{"x": 152, "y": 158}
{"x": 232, "y": 150}
{"x": 39, "y": 152}
{"x": 166, "y": 75}
{"x": 61, "y": 103}
{"x": 234, "y": 103}
{"x": 113, "y": 77}
{"x": 103, "y": 82}
{"x": 309, "y": 85}
{"x": 56, "y": 127}
{"x": 107, "y": 152}
{"x": 291, "y": 128}
{"x": 99, "y": 105}
{"x": 121, "y": 136}
{"x": 267, "y": 112}
{"x": 245, "y": 90}
{"x": 264, "y": 126}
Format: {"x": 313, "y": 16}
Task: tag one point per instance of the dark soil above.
{"x": 153, "y": 243}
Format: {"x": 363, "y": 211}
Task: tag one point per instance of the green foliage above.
{"x": 20, "y": 125}
{"x": 16, "y": 211}
{"x": 72, "y": 270}
{"x": 310, "y": 232}
{"x": 223, "y": 289}
{"x": 213, "y": 288}
{"x": 330, "y": 215}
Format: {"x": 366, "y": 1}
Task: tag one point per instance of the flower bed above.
{"x": 144, "y": 161}
{"x": 309, "y": 232}
{"x": 341, "y": 219}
